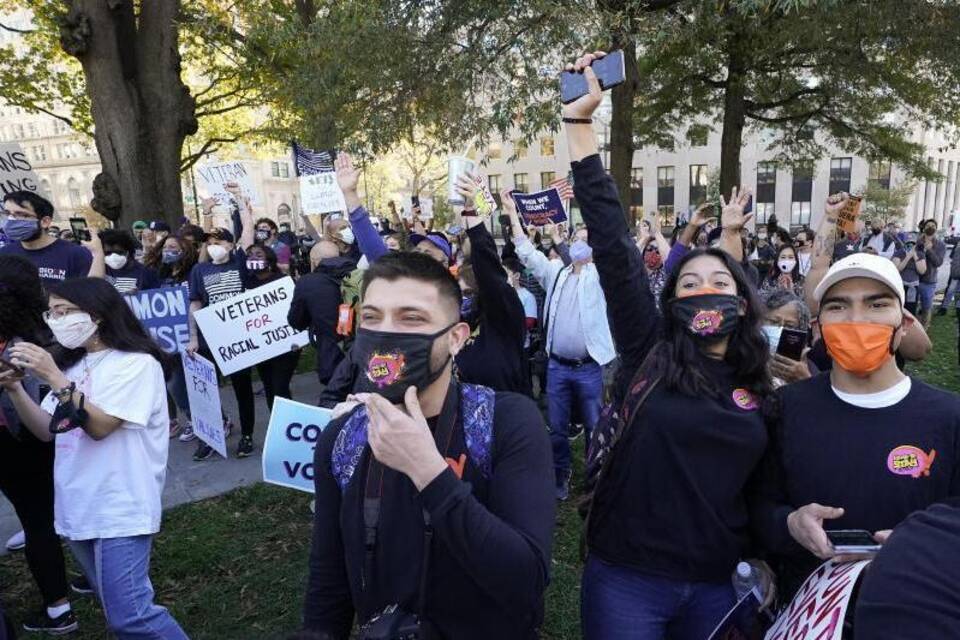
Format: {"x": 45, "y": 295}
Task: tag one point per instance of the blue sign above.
{"x": 540, "y": 208}
{"x": 292, "y": 436}
{"x": 164, "y": 313}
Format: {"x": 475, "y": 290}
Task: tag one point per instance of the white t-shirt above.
{"x": 529, "y": 303}
{"x": 111, "y": 488}
{"x": 879, "y": 400}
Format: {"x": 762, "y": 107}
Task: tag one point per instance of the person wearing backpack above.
{"x": 434, "y": 498}
{"x": 668, "y": 520}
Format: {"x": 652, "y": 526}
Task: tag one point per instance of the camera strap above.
{"x": 447, "y": 424}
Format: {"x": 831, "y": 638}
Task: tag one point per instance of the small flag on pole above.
{"x": 564, "y": 187}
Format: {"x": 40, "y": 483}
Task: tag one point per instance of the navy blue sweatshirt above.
{"x": 490, "y": 558}
{"x": 827, "y": 451}
{"x": 673, "y": 503}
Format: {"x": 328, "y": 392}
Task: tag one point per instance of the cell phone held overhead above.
{"x": 610, "y": 72}
{"x": 81, "y": 231}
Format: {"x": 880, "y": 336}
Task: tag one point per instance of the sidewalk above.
{"x": 189, "y": 481}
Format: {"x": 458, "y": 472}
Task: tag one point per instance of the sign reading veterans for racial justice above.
{"x": 164, "y": 314}
{"x": 540, "y": 208}
{"x": 16, "y": 172}
{"x": 204, "y": 396}
{"x": 251, "y": 327}
{"x": 818, "y": 609}
{"x": 291, "y": 438}
{"x": 213, "y": 179}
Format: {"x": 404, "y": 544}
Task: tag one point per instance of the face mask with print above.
{"x": 707, "y": 315}
{"x": 72, "y": 330}
{"x": 170, "y": 257}
{"x": 347, "y": 235}
{"x": 261, "y": 235}
{"x": 21, "y": 230}
{"x": 787, "y": 265}
{"x": 772, "y": 333}
{"x": 390, "y": 363}
{"x": 218, "y": 254}
{"x": 653, "y": 260}
{"x": 115, "y": 261}
{"x": 256, "y": 265}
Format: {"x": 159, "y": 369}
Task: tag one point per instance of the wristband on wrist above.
{"x": 64, "y": 394}
{"x": 578, "y": 120}
{"x": 469, "y": 213}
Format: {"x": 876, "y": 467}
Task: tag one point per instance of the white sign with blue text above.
{"x": 292, "y": 436}
{"x": 204, "y": 395}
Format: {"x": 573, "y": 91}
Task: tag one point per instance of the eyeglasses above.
{"x": 60, "y": 313}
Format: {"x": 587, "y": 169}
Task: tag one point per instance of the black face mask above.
{"x": 706, "y": 316}
{"x": 390, "y": 363}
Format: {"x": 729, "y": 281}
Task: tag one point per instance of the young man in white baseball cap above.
{"x": 859, "y": 447}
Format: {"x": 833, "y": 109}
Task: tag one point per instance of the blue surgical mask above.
{"x": 580, "y": 251}
{"x": 21, "y": 230}
{"x": 170, "y": 257}
{"x": 772, "y": 333}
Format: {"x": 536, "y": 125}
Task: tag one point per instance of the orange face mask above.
{"x": 858, "y": 347}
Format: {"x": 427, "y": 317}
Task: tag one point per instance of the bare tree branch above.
{"x": 14, "y": 29}
{"x": 207, "y": 148}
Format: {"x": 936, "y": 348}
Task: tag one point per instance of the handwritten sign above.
{"x": 16, "y": 172}
{"x": 818, "y": 609}
{"x": 484, "y": 199}
{"x": 291, "y": 438}
{"x": 540, "y": 208}
{"x": 320, "y": 193}
{"x": 212, "y": 179}
{"x": 204, "y": 396}
{"x": 164, "y": 314}
{"x": 847, "y": 218}
{"x": 251, "y": 327}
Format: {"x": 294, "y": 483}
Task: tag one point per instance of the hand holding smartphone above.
{"x": 792, "y": 343}
{"x": 81, "y": 231}
{"x": 610, "y": 72}
{"x": 846, "y": 541}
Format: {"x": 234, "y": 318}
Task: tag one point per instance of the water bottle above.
{"x": 746, "y": 579}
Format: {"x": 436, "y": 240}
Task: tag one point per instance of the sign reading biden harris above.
{"x": 291, "y": 438}
{"x": 252, "y": 327}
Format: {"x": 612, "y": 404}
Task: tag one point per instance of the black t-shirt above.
{"x": 911, "y": 591}
{"x": 870, "y": 462}
{"x": 132, "y": 277}
{"x": 673, "y": 503}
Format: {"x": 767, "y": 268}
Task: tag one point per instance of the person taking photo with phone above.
{"x": 668, "y": 522}
{"x": 107, "y": 417}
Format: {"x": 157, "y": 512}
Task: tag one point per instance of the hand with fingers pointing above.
{"x": 732, "y": 217}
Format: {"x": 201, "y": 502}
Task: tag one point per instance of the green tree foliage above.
{"x": 886, "y": 204}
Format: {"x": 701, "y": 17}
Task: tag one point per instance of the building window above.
{"x": 667, "y": 215}
{"x": 636, "y": 192}
{"x": 275, "y": 169}
{"x": 766, "y": 190}
{"x": 494, "y": 152}
{"x": 698, "y": 184}
{"x": 520, "y": 149}
{"x": 546, "y": 177}
{"x": 493, "y": 181}
{"x": 665, "y": 182}
{"x": 763, "y": 211}
{"x": 697, "y": 136}
{"x": 840, "y": 174}
{"x": 800, "y": 214}
{"x": 521, "y": 182}
{"x": 32, "y": 129}
{"x": 18, "y": 132}
{"x": 39, "y": 153}
{"x": 546, "y": 147}
{"x": 880, "y": 173}
{"x": 284, "y": 170}
{"x": 802, "y": 194}
{"x": 73, "y": 190}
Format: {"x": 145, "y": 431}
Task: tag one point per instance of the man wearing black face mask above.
{"x": 433, "y": 495}
{"x": 28, "y": 216}
{"x": 935, "y": 251}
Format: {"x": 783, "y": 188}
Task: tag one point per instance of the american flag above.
{"x": 564, "y": 187}
{"x": 310, "y": 162}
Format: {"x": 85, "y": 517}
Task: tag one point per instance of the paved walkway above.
{"x": 189, "y": 481}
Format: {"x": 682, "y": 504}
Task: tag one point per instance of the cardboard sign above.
{"x": 164, "y": 313}
{"x": 744, "y": 622}
{"x": 204, "y": 396}
{"x": 426, "y": 208}
{"x": 291, "y": 438}
{"x": 457, "y": 166}
{"x": 484, "y": 199}
{"x": 320, "y": 193}
{"x": 847, "y": 218}
{"x": 213, "y": 177}
{"x": 16, "y": 171}
{"x": 251, "y": 327}
{"x": 540, "y": 208}
{"x": 818, "y": 609}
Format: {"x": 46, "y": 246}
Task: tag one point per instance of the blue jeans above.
{"x": 927, "y": 291}
{"x": 567, "y": 385}
{"x": 178, "y": 389}
{"x": 617, "y": 603}
{"x": 118, "y": 569}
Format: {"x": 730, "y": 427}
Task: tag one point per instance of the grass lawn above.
{"x": 234, "y": 567}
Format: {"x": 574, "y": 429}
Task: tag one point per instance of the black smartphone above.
{"x": 610, "y": 72}
{"x": 80, "y": 230}
{"x": 792, "y": 343}
{"x": 6, "y": 365}
{"x": 852, "y": 541}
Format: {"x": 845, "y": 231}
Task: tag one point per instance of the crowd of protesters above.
{"x": 740, "y": 389}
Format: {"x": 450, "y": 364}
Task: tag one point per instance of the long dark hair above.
{"x": 775, "y": 268}
{"x": 677, "y": 356}
{"x": 119, "y": 329}
{"x": 179, "y": 271}
{"x": 22, "y": 301}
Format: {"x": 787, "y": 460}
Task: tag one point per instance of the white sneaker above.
{"x": 16, "y": 542}
{"x": 187, "y": 434}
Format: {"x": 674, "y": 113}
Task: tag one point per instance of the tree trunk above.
{"x": 621, "y": 122}
{"x": 141, "y": 110}
{"x": 734, "y": 116}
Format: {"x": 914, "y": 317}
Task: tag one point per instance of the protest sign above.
{"x": 744, "y": 622}
{"x": 455, "y": 167}
{"x": 291, "y": 438}
{"x": 818, "y": 609}
{"x": 484, "y": 199}
{"x": 251, "y": 327}
{"x": 214, "y": 177}
{"x": 540, "y": 208}
{"x": 16, "y": 171}
{"x": 204, "y": 395}
{"x": 320, "y": 193}
{"x": 847, "y": 218}
{"x": 164, "y": 313}
{"x": 425, "y": 206}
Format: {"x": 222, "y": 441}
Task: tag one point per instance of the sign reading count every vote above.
{"x": 291, "y": 438}
{"x": 251, "y": 327}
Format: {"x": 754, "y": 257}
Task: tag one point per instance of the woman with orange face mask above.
{"x": 667, "y": 523}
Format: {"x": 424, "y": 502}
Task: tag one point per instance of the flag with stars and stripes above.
{"x": 564, "y": 187}
{"x": 310, "y": 162}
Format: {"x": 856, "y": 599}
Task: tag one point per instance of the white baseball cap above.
{"x": 862, "y": 265}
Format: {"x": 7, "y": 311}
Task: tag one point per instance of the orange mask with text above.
{"x": 858, "y": 347}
